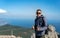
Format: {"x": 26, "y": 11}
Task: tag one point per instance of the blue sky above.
{"x": 12, "y": 11}
{"x": 26, "y": 9}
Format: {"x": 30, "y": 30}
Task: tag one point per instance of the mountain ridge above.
{"x": 17, "y": 30}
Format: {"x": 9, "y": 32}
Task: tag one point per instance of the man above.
{"x": 40, "y": 24}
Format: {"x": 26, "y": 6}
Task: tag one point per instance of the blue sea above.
{"x": 28, "y": 23}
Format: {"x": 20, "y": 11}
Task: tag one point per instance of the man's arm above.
{"x": 45, "y": 23}
{"x": 43, "y": 28}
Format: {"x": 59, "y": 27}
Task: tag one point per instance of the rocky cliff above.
{"x": 51, "y": 33}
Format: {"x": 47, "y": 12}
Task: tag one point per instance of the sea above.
{"x": 28, "y": 23}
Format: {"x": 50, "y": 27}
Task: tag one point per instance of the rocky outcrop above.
{"x": 51, "y": 33}
{"x": 33, "y": 35}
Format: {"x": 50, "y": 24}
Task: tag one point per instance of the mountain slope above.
{"x": 15, "y": 30}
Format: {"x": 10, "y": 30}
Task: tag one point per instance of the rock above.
{"x": 33, "y": 35}
{"x": 51, "y": 33}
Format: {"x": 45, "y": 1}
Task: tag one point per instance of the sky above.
{"x": 26, "y": 9}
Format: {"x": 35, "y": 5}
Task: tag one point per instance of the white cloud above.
{"x": 2, "y": 11}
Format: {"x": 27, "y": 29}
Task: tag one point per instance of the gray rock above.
{"x": 51, "y": 33}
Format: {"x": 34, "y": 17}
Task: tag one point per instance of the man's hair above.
{"x": 38, "y": 10}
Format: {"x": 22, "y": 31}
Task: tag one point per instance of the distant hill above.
{"x": 15, "y": 30}
{"x": 8, "y": 29}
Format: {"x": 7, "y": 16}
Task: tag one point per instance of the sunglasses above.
{"x": 38, "y": 13}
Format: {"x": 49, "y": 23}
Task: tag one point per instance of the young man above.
{"x": 40, "y": 24}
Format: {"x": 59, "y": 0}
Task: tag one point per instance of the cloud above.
{"x": 2, "y": 11}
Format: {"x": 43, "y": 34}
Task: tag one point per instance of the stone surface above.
{"x": 51, "y": 33}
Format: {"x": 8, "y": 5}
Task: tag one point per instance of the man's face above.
{"x": 39, "y": 13}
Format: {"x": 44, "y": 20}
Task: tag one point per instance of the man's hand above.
{"x": 38, "y": 28}
{"x": 33, "y": 28}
